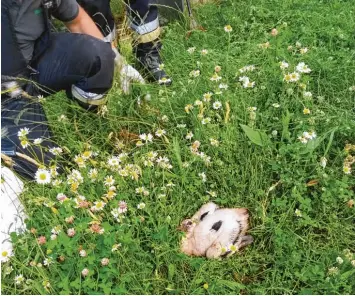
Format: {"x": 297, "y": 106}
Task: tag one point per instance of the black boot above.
{"x": 148, "y": 55}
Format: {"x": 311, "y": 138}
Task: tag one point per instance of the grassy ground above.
{"x": 301, "y": 213}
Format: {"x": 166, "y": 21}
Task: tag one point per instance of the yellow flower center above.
{"x": 42, "y": 176}
{"x": 87, "y": 154}
{"x": 4, "y": 253}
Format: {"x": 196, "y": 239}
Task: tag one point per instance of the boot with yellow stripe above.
{"x": 148, "y": 55}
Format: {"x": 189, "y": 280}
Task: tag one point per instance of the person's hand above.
{"x": 127, "y": 73}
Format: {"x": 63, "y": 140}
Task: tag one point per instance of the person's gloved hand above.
{"x": 127, "y": 73}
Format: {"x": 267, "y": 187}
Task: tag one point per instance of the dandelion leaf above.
{"x": 257, "y": 137}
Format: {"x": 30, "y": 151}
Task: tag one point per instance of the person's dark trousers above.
{"x": 70, "y": 59}
{"x": 17, "y": 113}
{"x": 142, "y": 11}
{"x": 77, "y": 59}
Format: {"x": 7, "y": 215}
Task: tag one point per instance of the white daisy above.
{"x": 6, "y": 252}
{"x": 228, "y": 28}
{"x": 23, "y": 132}
{"x": 195, "y": 73}
{"x": 207, "y": 96}
{"x": 223, "y": 86}
{"x": 191, "y": 50}
{"x": 214, "y": 142}
{"x": 113, "y": 162}
{"x": 298, "y": 213}
{"x": 62, "y": 118}
{"x": 24, "y": 143}
{"x": 203, "y": 176}
{"x": 109, "y": 181}
{"x": 217, "y": 105}
{"x": 56, "y": 150}
{"x": 92, "y": 174}
{"x": 115, "y": 247}
{"x": 283, "y": 65}
{"x": 47, "y": 261}
{"x": 43, "y": 176}
{"x": 37, "y": 141}
{"x": 307, "y": 95}
{"x": 303, "y": 50}
{"x": 98, "y": 206}
{"x": 198, "y": 103}
{"x": 302, "y": 68}
{"x": 160, "y": 132}
{"x": 206, "y": 120}
{"x": 215, "y": 77}
{"x": 189, "y": 136}
{"x": 19, "y": 279}
{"x": 146, "y": 137}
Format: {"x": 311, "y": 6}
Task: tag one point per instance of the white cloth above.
{"x": 12, "y": 211}
{"x": 127, "y": 73}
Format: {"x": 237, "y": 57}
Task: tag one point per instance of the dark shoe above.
{"x": 149, "y": 58}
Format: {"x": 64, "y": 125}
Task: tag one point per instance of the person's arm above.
{"x": 84, "y": 24}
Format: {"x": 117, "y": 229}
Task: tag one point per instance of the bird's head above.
{"x": 187, "y": 225}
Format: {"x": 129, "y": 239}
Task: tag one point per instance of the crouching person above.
{"x": 37, "y": 62}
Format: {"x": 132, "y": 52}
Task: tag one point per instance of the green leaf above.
{"x": 347, "y": 274}
{"x": 330, "y": 141}
{"x": 171, "y": 270}
{"x": 177, "y": 152}
{"x": 306, "y": 291}
{"x": 230, "y": 284}
{"x": 285, "y": 124}
{"x": 257, "y": 137}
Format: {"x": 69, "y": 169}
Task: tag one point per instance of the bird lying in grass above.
{"x": 214, "y": 232}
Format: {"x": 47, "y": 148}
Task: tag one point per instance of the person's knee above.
{"x": 100, "y": 57}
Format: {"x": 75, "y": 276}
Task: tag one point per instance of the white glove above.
{"x": 127, "y": 73}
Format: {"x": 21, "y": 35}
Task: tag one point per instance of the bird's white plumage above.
{"x": 217, "y": 229}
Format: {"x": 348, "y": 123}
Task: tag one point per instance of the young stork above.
{"x": 215, "y": 232}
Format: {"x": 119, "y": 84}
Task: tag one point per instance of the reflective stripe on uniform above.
{"x": 146, "y": 28}
{"x": 149, "y": 37}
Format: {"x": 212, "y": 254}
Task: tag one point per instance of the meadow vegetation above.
{"x": 260, "y": 115}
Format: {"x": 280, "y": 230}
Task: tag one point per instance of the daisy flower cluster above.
{"x": 22, "y": 135}
{"x": 298, "y": 48}
{"x": 295, "y": 76}
{"x": 347, "y": 257}
{"x": 245, "y": 80}
{"x": 349, "y": 159}
{"x": 194, "y": 148}
{"x": 204, "y": 105}
{"x": 307, "y": 136}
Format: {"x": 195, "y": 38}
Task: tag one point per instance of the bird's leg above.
{"x": 245, "y": 241}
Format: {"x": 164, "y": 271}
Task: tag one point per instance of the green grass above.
{"x": 290, "y": 254}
